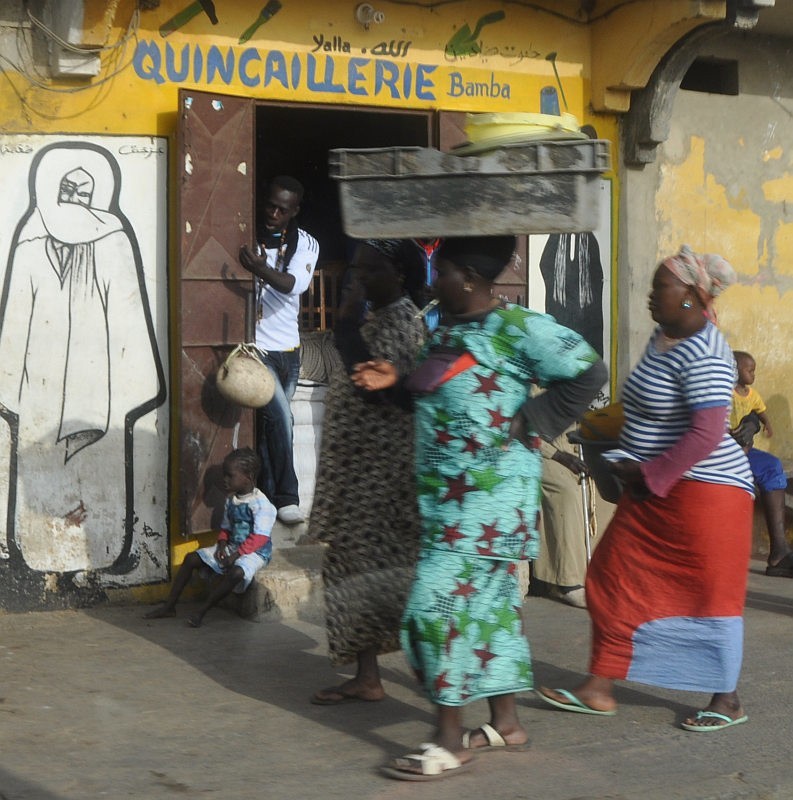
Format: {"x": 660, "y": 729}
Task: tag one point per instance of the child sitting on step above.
{"x": 243, "y": 546}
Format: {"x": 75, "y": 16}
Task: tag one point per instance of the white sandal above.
{"x": 432, "y": 763}
{"x": 495, "y": 741}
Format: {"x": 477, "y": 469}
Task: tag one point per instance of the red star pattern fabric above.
{"x": 478, "y": 499}
{"x": 487, "y": 384}
{"x": 458, "y": 488}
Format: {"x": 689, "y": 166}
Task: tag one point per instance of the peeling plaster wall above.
{"x": 723, "y": 182}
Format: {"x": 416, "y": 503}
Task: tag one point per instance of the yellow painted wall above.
{"x": 449, "y": 57}
{"x": 721, "y": 182}
{"x": 307, "y": 52}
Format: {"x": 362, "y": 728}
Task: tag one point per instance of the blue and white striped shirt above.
{"x": 660, "y": 394}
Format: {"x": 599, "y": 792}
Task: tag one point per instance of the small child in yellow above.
{"x": 745, "y": 398}
{"x": 766, "y": 468}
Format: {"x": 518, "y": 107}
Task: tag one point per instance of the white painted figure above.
{"x": 78, "y": 366}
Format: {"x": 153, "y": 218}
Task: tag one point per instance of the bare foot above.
{"x": 708, "y": 720}
{"x": 346, "y": 692}
{"x": 161, "y": 612}
{"x": 722, "y": 711}
{"x": 454, "y": 745}
{"x": 584, "y": 697}
{"x": 443, "y": 763}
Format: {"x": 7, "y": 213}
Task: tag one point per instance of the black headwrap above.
{"x": 405, "y": 256}
{"x": 390, "y": 248}
{"x": 486, "y": 255}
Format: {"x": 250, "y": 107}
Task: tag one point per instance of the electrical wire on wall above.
{"x": 114, "y": 60}
{"x": 131, "y": 31}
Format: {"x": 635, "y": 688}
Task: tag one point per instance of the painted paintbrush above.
{"x": 184, "y": 16}
{"x": 552, "y": 58}
{"x": 267, "y": 13}
{"x": 464, "y": 41}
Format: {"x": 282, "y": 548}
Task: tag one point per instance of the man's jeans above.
{"x": 274, "y": 431}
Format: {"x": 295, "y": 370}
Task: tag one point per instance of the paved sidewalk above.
{"x": 103, "y": 704}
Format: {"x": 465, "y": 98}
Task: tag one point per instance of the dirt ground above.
{"x": 103, "y": 704}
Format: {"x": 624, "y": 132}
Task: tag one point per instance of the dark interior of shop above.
{"x": 295, "y": 141}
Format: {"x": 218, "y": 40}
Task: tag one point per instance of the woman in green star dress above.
{"x": 478, "y": 472}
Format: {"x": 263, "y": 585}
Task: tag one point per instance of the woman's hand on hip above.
{"x": 374, "y": 376}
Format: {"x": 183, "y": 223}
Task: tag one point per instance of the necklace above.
{"x": 280, "y": 266}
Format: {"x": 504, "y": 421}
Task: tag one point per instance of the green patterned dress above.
{"x": 479, "y": 498}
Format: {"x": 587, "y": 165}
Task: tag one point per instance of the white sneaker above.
{"x": 291, "y": 515}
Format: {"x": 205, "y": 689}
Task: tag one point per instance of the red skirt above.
{"x": 667, "y": 585}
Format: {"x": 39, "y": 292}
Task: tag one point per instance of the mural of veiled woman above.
{"x": 79, "y": 365}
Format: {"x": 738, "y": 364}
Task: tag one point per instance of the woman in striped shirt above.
{"x": 667, "y": 585}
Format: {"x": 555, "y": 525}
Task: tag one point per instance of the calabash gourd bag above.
{"x": 244, "y": 380}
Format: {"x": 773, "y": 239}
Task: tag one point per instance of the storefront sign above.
{"x": 316, "y": 75}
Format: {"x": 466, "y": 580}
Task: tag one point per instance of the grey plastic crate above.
{"x": 406, "y": 192}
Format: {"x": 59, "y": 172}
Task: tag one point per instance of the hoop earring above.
{"x": 686, "y": 304}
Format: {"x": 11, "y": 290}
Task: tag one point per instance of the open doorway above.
{"x": 295, "y": 140}
{"x": 227, "y": 147}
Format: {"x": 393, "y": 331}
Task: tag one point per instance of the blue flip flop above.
{"x": 700, "y": 715}
{"x": 574, "y": 704}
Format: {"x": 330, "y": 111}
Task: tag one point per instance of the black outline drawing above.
{"x": 33, "y": 228}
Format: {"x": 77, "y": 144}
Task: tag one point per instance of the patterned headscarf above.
{"x": 708, "y": 273}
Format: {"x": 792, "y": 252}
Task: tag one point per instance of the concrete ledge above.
{"x": 290, "y": 587}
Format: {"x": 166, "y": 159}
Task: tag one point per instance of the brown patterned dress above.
{"x": 365, "y": 498}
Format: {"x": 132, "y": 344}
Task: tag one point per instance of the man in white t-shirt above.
{"x": 283, "y": 264}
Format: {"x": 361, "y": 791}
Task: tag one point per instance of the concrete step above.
{"x": 289, "y": 587}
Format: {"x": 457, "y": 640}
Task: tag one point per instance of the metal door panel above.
{"x": 215, "y": 217}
